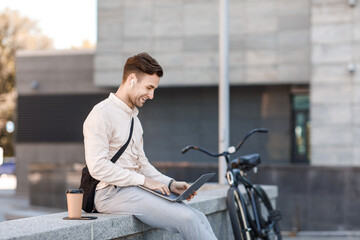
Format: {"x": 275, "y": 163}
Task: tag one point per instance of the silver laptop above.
{"x": 187, "y": 193}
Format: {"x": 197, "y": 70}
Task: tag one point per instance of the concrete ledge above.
{"x": 211, "y": 200}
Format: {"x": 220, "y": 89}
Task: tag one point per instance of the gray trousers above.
{"x": 154, "y": 211}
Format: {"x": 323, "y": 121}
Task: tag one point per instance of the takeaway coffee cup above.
{"x": 74, "y": 202}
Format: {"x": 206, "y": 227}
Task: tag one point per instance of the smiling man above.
{"x": 106, "y": 130}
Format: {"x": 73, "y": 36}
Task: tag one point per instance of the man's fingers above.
{"x": 192, "y": 196}
{"x": 162, "y": 190}
{"x": 155, "y": 185}
{"x": 167, "y": 190}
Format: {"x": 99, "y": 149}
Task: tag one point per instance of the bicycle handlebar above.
{"x": 187, "y": 148}
{"x": 260, "y": 130}
{"x": 201, "y": 150}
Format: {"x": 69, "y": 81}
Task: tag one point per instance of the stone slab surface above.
{"x": 211, "y": 201}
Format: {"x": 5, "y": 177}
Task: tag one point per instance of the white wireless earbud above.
{"x": 132, "y": 82}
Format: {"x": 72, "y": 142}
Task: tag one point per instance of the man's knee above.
{"x": 189, "y": 218}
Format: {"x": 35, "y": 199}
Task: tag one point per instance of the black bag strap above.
{"x": 118, "y": 154}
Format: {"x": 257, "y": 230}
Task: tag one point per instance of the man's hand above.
{"x": 180, "y": 187}
{"x": 155, "y": 185}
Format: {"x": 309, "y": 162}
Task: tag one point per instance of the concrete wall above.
{"x": 211, "y": 200}
{"x": 30, "y": 172}
{"x": 269, "y": 40}
{"x": 56, "y": 72}
{"x": 335, "y": 92}
{"x": 315, "y": 198}
{"x": 178, "y": 117}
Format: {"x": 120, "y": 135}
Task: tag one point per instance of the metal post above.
{"x": 224, "y": 93}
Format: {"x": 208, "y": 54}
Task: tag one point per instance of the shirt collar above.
{"x": 133, "y": 112}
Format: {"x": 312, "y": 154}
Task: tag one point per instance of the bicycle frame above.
{"x": 235, "y": 177}
{"x": 249, "y": 187}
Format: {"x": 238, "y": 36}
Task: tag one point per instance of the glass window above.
{"x": 300, "y": 129}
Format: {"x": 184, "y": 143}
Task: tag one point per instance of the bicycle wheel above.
{"x": 237, "y": 214}
{"x": 269, "y": 218}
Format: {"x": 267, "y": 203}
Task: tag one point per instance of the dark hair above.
{"x": 140, "y": 64}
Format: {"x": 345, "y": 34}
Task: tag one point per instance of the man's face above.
{"x": 143, "y": 89}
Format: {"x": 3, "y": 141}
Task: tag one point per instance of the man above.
{"x": 106, "y": 130}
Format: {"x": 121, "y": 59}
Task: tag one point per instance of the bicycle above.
{"x": 254, "y": 218}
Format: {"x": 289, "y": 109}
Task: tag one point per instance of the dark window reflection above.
{"x": 301, "y": 128}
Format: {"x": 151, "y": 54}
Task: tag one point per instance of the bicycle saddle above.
{"x": 247, "y": 162}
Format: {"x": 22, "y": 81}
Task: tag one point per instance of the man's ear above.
{"x": 132, "y": 78}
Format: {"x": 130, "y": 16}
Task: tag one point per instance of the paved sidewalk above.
{"x": 13, "y": 206}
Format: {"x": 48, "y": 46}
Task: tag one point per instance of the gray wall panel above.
{"x": 193, "y": 30}
{"x": 189, "y": 116}
{"x": 315, "y": 198}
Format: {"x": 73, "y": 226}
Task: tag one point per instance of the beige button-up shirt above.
{"x": 106, "y": 129}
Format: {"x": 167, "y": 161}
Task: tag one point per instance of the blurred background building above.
{"x": 290, "y": 62}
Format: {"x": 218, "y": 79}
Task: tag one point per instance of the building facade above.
{"x": 274, "y": 42}
{"x": 293, "y": 69}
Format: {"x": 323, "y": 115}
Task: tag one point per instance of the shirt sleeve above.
{"x": 149, "y": 170}
{"x": 97, "y": 135}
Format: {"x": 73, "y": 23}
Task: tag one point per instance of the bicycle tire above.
{"x": 269, "y": 218}
{"x": 237, "y": 214}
